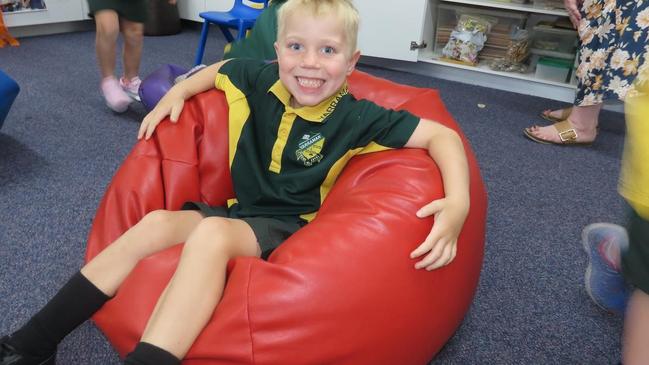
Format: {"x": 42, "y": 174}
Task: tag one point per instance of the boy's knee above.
{"x": 157, "y": 219}
{"x": 214, "y": 235}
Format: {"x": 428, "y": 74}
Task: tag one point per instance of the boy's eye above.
{"x": 328, "y": 50}
{"x": 295, "y": 46}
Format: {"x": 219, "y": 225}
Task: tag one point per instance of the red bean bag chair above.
{"x": 342, "y": 290}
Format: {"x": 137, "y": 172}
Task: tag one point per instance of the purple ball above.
{"x": 157, "y": 84}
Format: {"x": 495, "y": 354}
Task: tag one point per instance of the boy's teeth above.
{"x": 309, "y": 82}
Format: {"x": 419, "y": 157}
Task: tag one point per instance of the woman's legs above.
{"x": 155, "y": 232}
{"x": 584, "y": 120}
{"x": 187, "y": 303}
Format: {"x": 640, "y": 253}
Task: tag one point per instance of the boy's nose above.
{"x": 310, "y": 59}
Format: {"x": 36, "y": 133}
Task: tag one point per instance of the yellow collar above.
{"x": 317, "y": 113}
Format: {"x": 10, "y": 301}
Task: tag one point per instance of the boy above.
{"x": 292, "y": 128}
{"x": 606, "y": 243}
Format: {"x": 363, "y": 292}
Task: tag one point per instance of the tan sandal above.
{"x": 565, "y": 113}
{"x": 567, "y": 135}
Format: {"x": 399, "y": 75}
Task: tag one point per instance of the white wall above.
{"x": 189, "y": 9}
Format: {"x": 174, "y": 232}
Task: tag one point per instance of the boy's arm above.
{"x": 172, "y": 102}
{"x": 445, "y": 148}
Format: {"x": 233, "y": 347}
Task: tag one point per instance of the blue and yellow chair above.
{"x": 241, "y": 17}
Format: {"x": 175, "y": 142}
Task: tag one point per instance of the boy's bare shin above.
{"x": 189, "y": 300}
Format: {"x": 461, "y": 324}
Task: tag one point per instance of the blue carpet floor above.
{"x": 61, "y": 145}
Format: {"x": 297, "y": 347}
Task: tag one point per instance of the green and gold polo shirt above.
{"x": 283, "y": 160}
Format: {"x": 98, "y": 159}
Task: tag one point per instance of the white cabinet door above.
{"x": 388, "y": 27}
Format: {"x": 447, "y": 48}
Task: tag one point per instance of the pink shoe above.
{"x": 116, "y": 98}
{"x": 132, "y": 87}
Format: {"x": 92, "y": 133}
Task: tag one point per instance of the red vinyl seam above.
{"x": 252, "y": 345}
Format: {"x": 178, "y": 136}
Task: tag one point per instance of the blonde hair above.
{"x": 343, "y": 10}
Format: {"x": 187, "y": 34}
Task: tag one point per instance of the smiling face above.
{"x": 314, "y": 57}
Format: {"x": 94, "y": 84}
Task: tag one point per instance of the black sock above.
{"x": 75, "y": 303}
{"x": 148, "y": 354}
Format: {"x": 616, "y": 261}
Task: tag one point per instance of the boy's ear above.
{"x": 353, "y": 60}
{"x": 276, "y": 48}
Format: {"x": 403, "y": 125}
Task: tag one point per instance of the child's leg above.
{"x": 636, "y": 330}
{"x": 88, "y": 290}
{"x": 107, "y": 24}
{"x": 187, "y": 303}
{"x": 157, "y": 231}
{"x": 133, "y": 40}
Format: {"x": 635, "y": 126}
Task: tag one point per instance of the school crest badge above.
{"x": 309, "y": 149}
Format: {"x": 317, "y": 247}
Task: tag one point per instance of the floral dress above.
{"x": 614, "y": 37}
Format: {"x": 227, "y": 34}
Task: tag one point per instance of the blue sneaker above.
{"x": 604, "y": 244}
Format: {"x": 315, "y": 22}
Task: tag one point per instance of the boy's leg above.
{"x": 155, "y": 232}
{"x": 187, "y": 303}
{"x": 89, "y": 289}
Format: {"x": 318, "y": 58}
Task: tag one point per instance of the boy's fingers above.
{"x": 139, "y": 131}
{"x": 432, "y": 257}
{"x": 175, "y": 112}
{"x": 422, "y": 249}
{"x": 429, "y": 209}
{"x": 428, "y": 259}
{"x": 149, "y": 130}
{"x": 425, "y": 246}
{"x": 447, "y": 256}
{"x": 143, "y": 126}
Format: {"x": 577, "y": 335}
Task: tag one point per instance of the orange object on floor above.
{"x": 5, "y": 37}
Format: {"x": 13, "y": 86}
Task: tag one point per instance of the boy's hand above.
{"x": 171, "y": 104}
{"x": 441, "y": 242}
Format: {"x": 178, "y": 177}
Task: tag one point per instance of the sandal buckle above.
{"x": 569, "y": 135}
